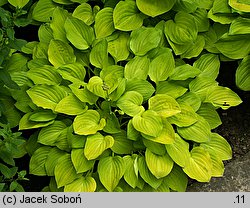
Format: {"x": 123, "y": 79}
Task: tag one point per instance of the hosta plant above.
{"x": 122, "y": 95}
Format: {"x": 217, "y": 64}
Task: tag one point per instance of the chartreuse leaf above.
{"x": 117, "y": 89}
{"x": 177, "y": 180}
{"x": 40, "y": 51}
{"x": 88, "y": 123}
{"x": 104, "y": 25}
{"x": 54, "y": 155}
{"x": 220, "y": 17}
{"x": 184, "y": 72}
{"x": 206, "y": 4}
{"x": 84, "y": 12}
{"x": 96, "y": 144}
{"x": 110, "y": 171}
{"x": 122, "y": 145}
{"x": 147, "y": 176}
{"x": 53, "y": 134}
{"x": 200, "y": 165}
{"x": 200, "y": 85}
{"x": 162, "y": 66}
{"x": 186, "y": 117}
{"x": 96, "y": 86}
{"x": 73, "y": 72}
{"x": 159, "y": 165}
{"x": 60, "y": 53}
{"x": 83, "y": 94}
{"x": 29, "y": 47}
{"x": 188, "y": 6}
{"x": 217, "y": 145}
{"x": 197, "y": 132}
{"x": 194, "y": 49}
{"x": 137, "y": 68}
{"x": 26, "y": 123}
{"x": 82, "y": 184}
{"x": 42, "y": 116}
{"x": 218, "y": 166}
{"x": 99, "y": 54}
{"x": 111, "y": 83}
{"x": 131, "y": 103}
{"x": 70, "y": 105}
{"x": 38, "y": 62}
{"x": 18, "y": 3}
{"x": 44, "y": 75}
{"x": 144, "y": 39}
{"x": 131, "y": 170}
{"x": 190, "y": 99}
{"x": 182, "y": 30}
{"x": 170, "y": 88}
{"x": 240, "y": 26}
{"x": 65, "y": 172}
{"x": 164, "y": 105}
{"x": 64, "y": 2}
{"x": 221, "y": 12}
{"x": 153, "y": 8}
{"x": 37, "y": 161}
{"x": 126, "y": 16}
{"x": 78, "y": 33}
{"x": 154, "y": 147}
{"x": 113, "y": 70}
{"x": 208, "y": 111}
{"x": 179, "y": 151}
{"x": 46, "y": 96}
{"x": 222, "y": 97}
{"x": 43, "y": 10}
{"x": 118, "y": 48}
{"x": 80, "y": 162}
{"x": 149, "y": 123}
{"x": 166, "y": 136}
{"x": 209, "y": 64}
{"x": 45, "y": 34}
{"x": 234, "y": 46}
{"x": 242, "y": 75}
{"x": 57, "y": 24}
{"x": 221, "y": 6}
{"x": 200, "y": 16}
{"x": 132, "y": 133}
{"x": 143, "y": 87}
{"x": 112, "y": 124}
{"x": 243, "y": 6}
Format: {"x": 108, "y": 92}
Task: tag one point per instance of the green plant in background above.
{"x": 12, "y": 14}
{"x": 11, "y": 147}
{"x": 123, "y": 96}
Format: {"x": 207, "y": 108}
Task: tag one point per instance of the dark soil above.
{"x": 236, "y": 120}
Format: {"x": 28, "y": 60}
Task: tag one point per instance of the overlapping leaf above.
{"x": 110, "y": 171}
{"x": 131, "y": 103}
{"x": 200, "y": 165}
{"x": 88, "y": 123}
{"x": 153, "y": 8}
{"x": 46, "y": 96}
{"x": 60, "y": 53}
{"x": 242, "y": 75}
{"x": 96, "y": 144}
{"x": 78, "y": 33}
{"x": 126, "y": 16}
